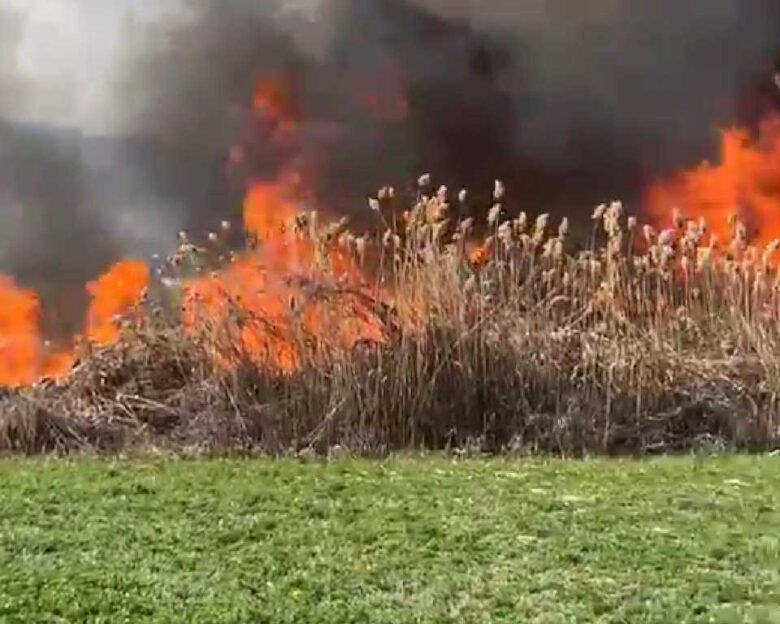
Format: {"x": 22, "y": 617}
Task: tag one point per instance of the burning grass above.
{"x": 447, "y": 324}
{"x": 646, "y": 341}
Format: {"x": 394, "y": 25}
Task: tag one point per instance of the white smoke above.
{"x": 73, "y": 195}
{"x": 65, "y": 57}
{"x": 69, "y": 202}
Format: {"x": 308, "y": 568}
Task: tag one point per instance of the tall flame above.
{"x": 267, "y": 299}
{"x": 20, "y": 344}
{"x": 745, "y": 183}
{"x": 268, "y": 296}
{"x": 25, "y": 356}
{"x": 113, "y": 294}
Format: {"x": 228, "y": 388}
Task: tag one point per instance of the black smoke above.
{"x": 571, "y": 103}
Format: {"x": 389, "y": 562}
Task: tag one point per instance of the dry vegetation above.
{"x": 646, "y": 341}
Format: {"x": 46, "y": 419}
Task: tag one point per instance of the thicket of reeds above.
{"x": 498, "y": 335}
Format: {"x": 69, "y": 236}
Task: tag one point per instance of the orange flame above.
{"x": 273, "y": 97}
{"x": 113, "y": 294}
{"x": 269, "y": 208}
{"x": 746, "y": 183}
{"x": 479, "y": 256}
{"x": 295, "y": 289}
{"x": 20, "y": 345}
{"x": 268, "y": 298}
{"x": 56, "y": 365}
{"x": 25, "y": 357}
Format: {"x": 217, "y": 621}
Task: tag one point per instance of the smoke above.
{"x": 625, "y": 71}
{"x": 603, "y": 94}
{"x": 116, "y": 118}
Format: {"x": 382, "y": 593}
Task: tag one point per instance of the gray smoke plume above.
{"x": 116, "y": 118}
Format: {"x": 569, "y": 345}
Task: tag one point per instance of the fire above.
{"x": 269, "y": 208}
{"x": 273, "y": 97}
{"x": 113, "y": 294}
{"x": 300, "y": 287}
{"x": 25, "y": 356}
{"x": 20, "y": 345}
{"x": 295, "y": 285}
{"x": 57, "y": 364}
{"x": 479, "y": 256}
{"x": 745, "y": 184}
{"x": 291, "y": 289}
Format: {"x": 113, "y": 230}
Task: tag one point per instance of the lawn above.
{"x": 404, "y": 540}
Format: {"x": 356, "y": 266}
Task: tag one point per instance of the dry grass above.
{"x": 644, "y": 342}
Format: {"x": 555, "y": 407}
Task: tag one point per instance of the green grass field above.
{"x": 412, "y": 540}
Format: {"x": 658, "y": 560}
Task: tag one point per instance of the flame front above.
{"x": 113, "y": 294}
{"x": 26, "y": 357}
{"x": 20, "y": 344}
{"x": 745, "y": 184}
{"x": 268, "y": 302}
{"x": 295, "y": 286}
{"x": 299, "y": 287}
{"x": 288, "y": 288}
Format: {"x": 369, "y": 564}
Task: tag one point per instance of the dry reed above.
{"x": 506, "y": 340}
